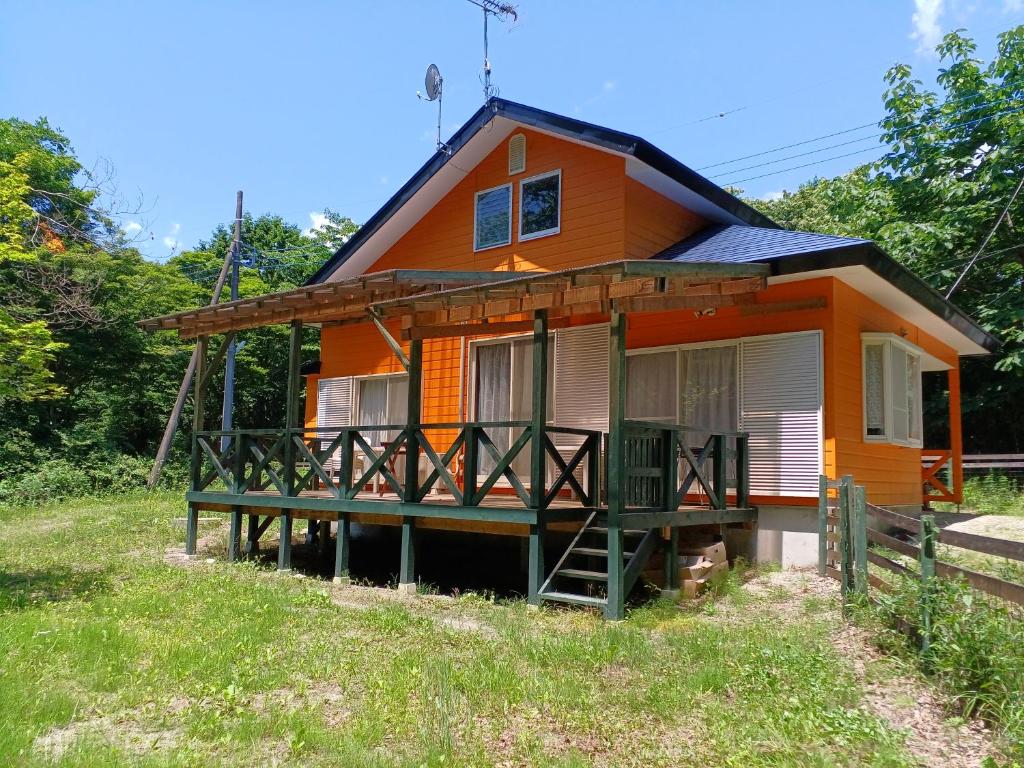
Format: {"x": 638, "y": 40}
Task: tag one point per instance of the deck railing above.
{"x": 468, "y": 466}
{"x": 668, "y": 463}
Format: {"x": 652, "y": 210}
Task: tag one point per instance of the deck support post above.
{"x": 413, "y": 420}
{"x": 311, "y": 531}
{"x": 407, "y": 567}
{"x": 198, "y": 417}
{"x": 235, "y": 534}
{"x": 323, "y": 537}
{"x": 616, "y": 605}
{"x": 284, "y": 548}
{"x": 341, "y": 554}
{"x": 284, "y": 552}
{"x": 672, "y": 563}
{"x": 535, "y": 560}
{"x": 252, "y": 537}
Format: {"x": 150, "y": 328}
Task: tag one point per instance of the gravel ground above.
{"x": 902, "y": 698}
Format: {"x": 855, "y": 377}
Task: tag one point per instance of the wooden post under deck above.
{"x": 535, "y": 576}
{"x": 407, "y": 567}
{"x": 198, "y": 417}
{"x": 956, "y": 438}
{"x": 284, "y": 551}
{"x": 341, "y": 554}
{"x": 616, "y": 606}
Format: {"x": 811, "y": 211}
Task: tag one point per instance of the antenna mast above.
{"x": 501, "y": 11}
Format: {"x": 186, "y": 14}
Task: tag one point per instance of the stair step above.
{"x": 579, "y": 573}
{"x": 597, "y": 552}
{"x": 569, "y": 597}
{"x": 625, "y": 531}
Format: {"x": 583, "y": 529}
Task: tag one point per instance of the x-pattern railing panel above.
{"x": 378, "y": 464}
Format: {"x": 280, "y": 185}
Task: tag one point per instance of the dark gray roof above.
{"x": 739, "y": 244}
{"x": 792, "y": 253}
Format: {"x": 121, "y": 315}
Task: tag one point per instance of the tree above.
{"x": 952, "y": 162}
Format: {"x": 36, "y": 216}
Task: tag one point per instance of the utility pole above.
{"x": 229, "y": 364}
{"x": 179, "y": 403}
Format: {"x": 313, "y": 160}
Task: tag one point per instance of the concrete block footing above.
{"x": 407, "y": 588}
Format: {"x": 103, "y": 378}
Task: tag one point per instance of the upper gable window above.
{"x": 540, "y": 205}
{"x": 493, "y": 218}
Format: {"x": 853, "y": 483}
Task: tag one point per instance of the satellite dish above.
{"x": 432, "y": 81}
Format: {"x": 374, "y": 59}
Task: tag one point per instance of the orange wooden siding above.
{"x": 653, "y": 222}
{"x": 606, "y": 216}
{"x": 593, "y": 212}
{"x": 891, "y": 474}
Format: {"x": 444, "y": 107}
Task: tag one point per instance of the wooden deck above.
{"x": 499, "y": 513}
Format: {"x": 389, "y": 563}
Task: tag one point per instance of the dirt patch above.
{"x": 906, "y": 702}
{"x": 997, "y": 526}
{"x": 124, "y": 733}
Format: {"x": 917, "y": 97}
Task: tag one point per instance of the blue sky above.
{"x": 306, "y": 105}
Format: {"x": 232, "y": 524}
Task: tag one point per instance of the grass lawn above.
{"x": 112, "y": 654}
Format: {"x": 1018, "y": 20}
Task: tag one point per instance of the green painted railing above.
{"x": 667, "y": 463}
{"x": 468, "y": 466}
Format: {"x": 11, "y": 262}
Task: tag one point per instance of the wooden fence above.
{"x": 854, "y": 534}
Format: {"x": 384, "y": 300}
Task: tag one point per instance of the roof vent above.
{"x": 516, "y": 154}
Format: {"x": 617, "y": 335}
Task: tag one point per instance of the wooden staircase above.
{"x": 580, "y": 576}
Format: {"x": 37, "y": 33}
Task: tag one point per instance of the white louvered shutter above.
{"x": 581, "y": 377}
{"x": 333, "y": 409}
{"x": 780, "y": 406}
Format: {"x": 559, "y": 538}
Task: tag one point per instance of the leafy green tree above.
{"x": 952, "y": 163}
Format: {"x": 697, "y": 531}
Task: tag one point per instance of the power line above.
{"x": 933, "y": 108}
{"x": 856, "y": 152}
{"x": 1006, "y": 209}
{"x": 895, "y": 134}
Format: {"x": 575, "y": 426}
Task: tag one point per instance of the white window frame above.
{"x": 356, "y": 394}
{"x": 476, "y": 203}
{"x": 887, "y": 340}
{"x": 546, "y": 232}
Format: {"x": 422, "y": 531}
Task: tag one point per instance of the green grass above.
{"x": 111, "y": 655}
{"x": 991, "y": 495}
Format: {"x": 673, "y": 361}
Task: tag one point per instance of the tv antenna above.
{"x": 501, "y": 11}
{"x": 432, "y": 84}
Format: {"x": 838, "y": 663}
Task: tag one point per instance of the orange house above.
{"x": 699, "y": 364}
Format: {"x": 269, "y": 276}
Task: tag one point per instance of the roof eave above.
{"x": 869, "y": 255}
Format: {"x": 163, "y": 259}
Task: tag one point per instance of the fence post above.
{"x": 822, "y": 524}
{"x": 927, "y": 563}
{"x": 860, "y": 540}
{"x": 845, "y": 549}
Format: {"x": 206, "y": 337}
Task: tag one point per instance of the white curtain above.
{"x": 874, "y": 387}
{"x": 493, "y": 394}
{"x": 652, "y": 392}
{"x": 372, "y": 408}
{"x": 709, "y": 394}
{"x": 398, "y": 402}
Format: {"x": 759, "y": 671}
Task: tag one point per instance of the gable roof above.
{"x": 644, "y": 162}
{"x": 859, "y": 262}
